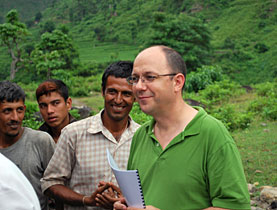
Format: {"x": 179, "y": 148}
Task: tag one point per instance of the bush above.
{"x": 29, "y": 90}
{"x": 95, "y": 82}
{"x": 29, "y": 118}
{"x": 80, "y": 91}
{"x": 219, "y": 92}
{"x": 261, "y": 48}
{"x": 139, "y": 116}
{"x": 203, "y": 77}
{"x": 231, "y": 119}
{"x": 75, "y": 114}
{"x": 80, "y": 87}
{"x": 265, "y": 89}
{"x": 266, "y": 104}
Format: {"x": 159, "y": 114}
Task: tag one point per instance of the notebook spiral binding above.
{"x": 140, "y": 188}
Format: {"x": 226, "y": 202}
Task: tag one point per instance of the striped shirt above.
{"x": 80, "y": 159}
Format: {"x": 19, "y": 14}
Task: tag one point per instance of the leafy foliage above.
{"x": 215, "y": 97}
{"x": 218, "y": 93}
{"x": 231, "y": 118}
{"x": 75, "y": 114}
{"x": 12, "y": 34}
{"x": 29, "y": 118}
{"x": 55, "y": 51}
{"x": 138, "y": 116}
{"x": 187, "y": 35}
{"x": 203, "y": 77}
{"x": 266, "y": 103}
{"x": 48, "y": 26}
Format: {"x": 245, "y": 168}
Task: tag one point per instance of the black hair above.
{"x": 120, "y": 69}
{"x": 11, "y": 92}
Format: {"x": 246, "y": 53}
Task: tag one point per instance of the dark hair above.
{"x": 175, "y": 61}
{"x": 52, "y": 85}
{"x": 120, "y": 69}
{"x": 11, "y": 92}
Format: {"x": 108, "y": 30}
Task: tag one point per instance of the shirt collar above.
{"x": 193, "y": 128}
{"x": 98, "y": 126}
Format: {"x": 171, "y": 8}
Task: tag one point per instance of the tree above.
{"x": 12, "y": 34}
{"x": 38, "y": 16}
{"x": 48, "y": 26}
{"x": 54, "y": 52}
{"x": 187, "y": 35}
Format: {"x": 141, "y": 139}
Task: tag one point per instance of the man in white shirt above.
{"x": 16, "y": 192}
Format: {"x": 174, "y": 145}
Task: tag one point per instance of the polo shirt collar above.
{"x": 193, "y": 128}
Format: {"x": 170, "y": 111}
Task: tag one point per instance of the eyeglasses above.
{"x": 134, "y": 79}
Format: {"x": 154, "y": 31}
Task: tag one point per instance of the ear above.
{"x": 69, "y": 103}
{"x": 179, "y": 81}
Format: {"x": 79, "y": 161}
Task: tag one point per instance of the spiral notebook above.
{"x": 129, "y": 184}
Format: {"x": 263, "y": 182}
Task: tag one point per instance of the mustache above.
{"x": 14, "y": 122}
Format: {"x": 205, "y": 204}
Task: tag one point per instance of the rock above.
{"x": 252, "y": 188}
{"x": 265, "y": 187}
{"x": 258, "y": 171}
{"x": 269, "y": 195}
{"x": 84, "y": 111}
{"x": 256, "y": 208}
{"x": 194, "y": 102}
{"x": 265, "y": 200}
{"x": 263, "y": 124}
{"x": 247, "y": 88}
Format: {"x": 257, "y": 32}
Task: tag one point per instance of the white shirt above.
{"x": 16, "y": 192}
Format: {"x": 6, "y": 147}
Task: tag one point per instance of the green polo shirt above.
{"x": 199, "y": 168}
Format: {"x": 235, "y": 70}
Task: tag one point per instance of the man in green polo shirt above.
{"x": 186, "y": 158}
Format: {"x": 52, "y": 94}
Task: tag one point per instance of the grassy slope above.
{"x": 104, "y": 52}
{"x": 27, "y": 8}
{"x": 241, "y": 23}
{"x": 257, "y": 145}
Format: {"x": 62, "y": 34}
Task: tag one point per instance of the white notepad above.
{"x": 129, "y": 184}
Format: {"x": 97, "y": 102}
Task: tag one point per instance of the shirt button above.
{"x": 157, "y": 144}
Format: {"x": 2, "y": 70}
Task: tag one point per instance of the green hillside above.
{"x": 27, "y": 8}
{"x": 243, "y": 32}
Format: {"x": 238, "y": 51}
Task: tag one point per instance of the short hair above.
{"x": 120, "y": 69}
{"x": 175, "y": 60}
{"x": 11, "y": 92}
{"x": 52, "y": 85}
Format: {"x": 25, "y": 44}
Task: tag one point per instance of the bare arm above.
{"x": 63, "y": 194}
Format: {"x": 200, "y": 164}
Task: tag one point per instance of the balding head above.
{"x": 165, "y": 57}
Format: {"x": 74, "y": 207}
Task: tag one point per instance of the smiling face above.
{"x": 118, "y": 98}
{"x": 54, "y": 109}
{"x": 156, "y": 96}
{"x": 11, "y": 117}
